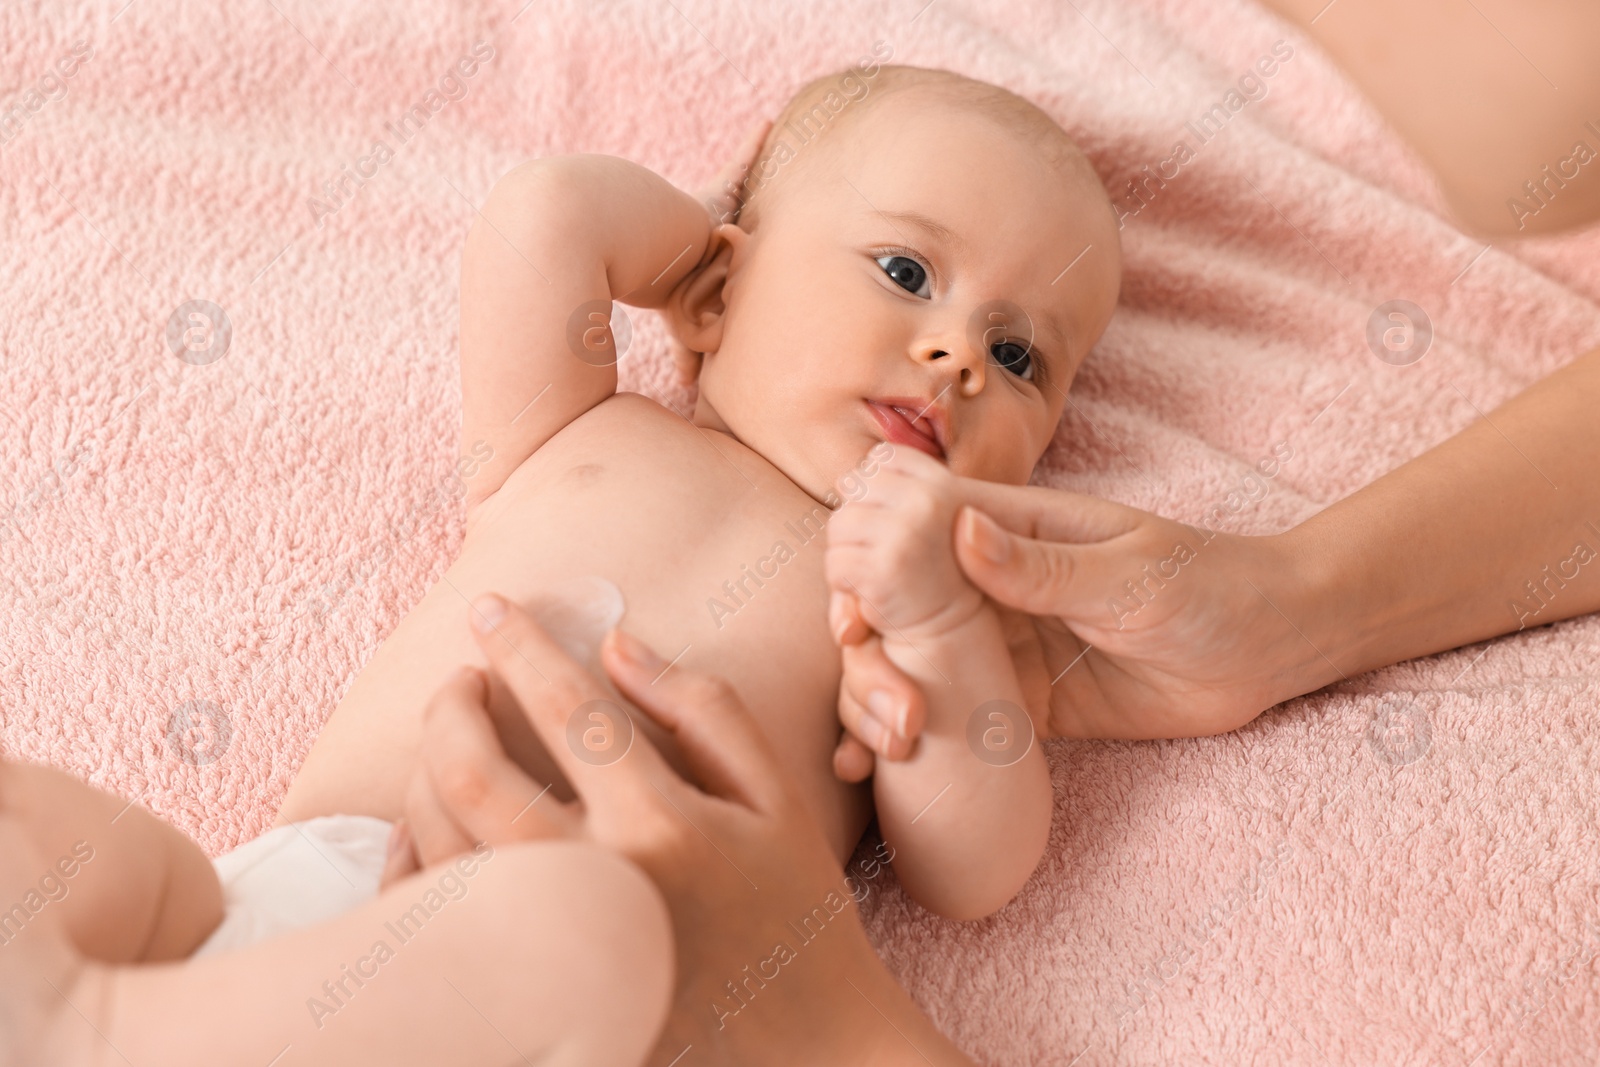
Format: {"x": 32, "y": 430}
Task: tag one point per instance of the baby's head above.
{"x": 912, "y": 240}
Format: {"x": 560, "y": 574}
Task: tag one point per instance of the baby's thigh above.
{"x": 560, "y": 950}
{"x": 560, "y": 945}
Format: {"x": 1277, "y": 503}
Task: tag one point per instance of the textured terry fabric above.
{"x": 196, "y": 559}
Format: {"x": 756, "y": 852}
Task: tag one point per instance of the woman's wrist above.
{"x": 879, "y": 1024}
{"x": 1326, "y": 598}
{"x": 1360, "y": 600}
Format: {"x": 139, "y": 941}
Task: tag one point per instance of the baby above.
{"x": 921, "y": 266}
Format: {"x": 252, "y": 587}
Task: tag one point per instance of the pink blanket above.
{"x": 204, "y": 535}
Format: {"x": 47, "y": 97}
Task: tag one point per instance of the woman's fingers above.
{"x": 685, "y": 361}
{"x": 1055, "y": 515}
{"x": 589, "y": 735}
{"x": 482, "y": 790}
{"x": 724, "y": 748}
{"x": 844, "y": 619}
{"x": 852, "y": 761}
{"x": 878, "y": 705}
{"x": 1039, "y": 577}
{"x": 434, "y": 834}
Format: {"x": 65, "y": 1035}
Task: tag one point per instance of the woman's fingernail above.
{"x": 487, "y": 611}
{"x": 836, "y": 613}
{"x": 636, "y": 651}
{"x": 982, "y": 534}
{"x": 902, "y": 721}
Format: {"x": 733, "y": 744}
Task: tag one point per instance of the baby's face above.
{"x": 848, "y": 321}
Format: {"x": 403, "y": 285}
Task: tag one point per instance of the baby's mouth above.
{"x": 905, "y": 424}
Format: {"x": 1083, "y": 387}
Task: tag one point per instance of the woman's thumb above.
{"x": 1032, "y": 576}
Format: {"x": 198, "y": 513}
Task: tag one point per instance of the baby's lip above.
{"x": 907, "y": 420}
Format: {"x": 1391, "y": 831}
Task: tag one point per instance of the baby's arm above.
{"x": 968, "y": 814}
{"x": 556, "y": 242}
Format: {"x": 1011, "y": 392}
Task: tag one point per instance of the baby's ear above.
{"x": 695, "y": 308}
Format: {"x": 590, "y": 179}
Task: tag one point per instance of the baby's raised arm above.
{"x": 968, "y": 814}
{"x": 556, "y": 242}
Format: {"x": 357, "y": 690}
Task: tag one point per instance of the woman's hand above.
{"x": 737, "y": 859}
{"x": 722, "y": 199}
{"x": 1143, "y": 627}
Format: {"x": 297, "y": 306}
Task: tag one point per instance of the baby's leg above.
{"x": 553, "y": 953}
{"x": 131, "y": 888}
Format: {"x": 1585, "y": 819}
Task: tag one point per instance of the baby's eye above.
{"x": 1014, "y": 358}
{"x": 907, "y": 274}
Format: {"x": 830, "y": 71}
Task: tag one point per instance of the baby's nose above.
{"x": 962, "y": 365}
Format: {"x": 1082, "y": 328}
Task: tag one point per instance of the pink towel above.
{"x": 198, "y": 554}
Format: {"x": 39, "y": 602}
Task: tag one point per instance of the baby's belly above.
{"x": 719, "y": 560}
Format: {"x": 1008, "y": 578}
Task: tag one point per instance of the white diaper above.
{"x": 309, "y": 872}
{"x": 297, "y": 875}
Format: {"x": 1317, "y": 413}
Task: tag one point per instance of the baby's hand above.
{"x": 891, "y": 548}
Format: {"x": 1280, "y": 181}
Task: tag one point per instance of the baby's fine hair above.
{"x": 826, "y": 103}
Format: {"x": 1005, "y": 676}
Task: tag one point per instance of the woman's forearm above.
{"x": 880, "y": 1025}
{"x": 1495, "y": 530}
{"x": 1483, "y": 112}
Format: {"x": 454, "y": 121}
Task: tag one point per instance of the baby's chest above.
{"x": 720, "y": 565}
{"x": 703, "y": 536}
